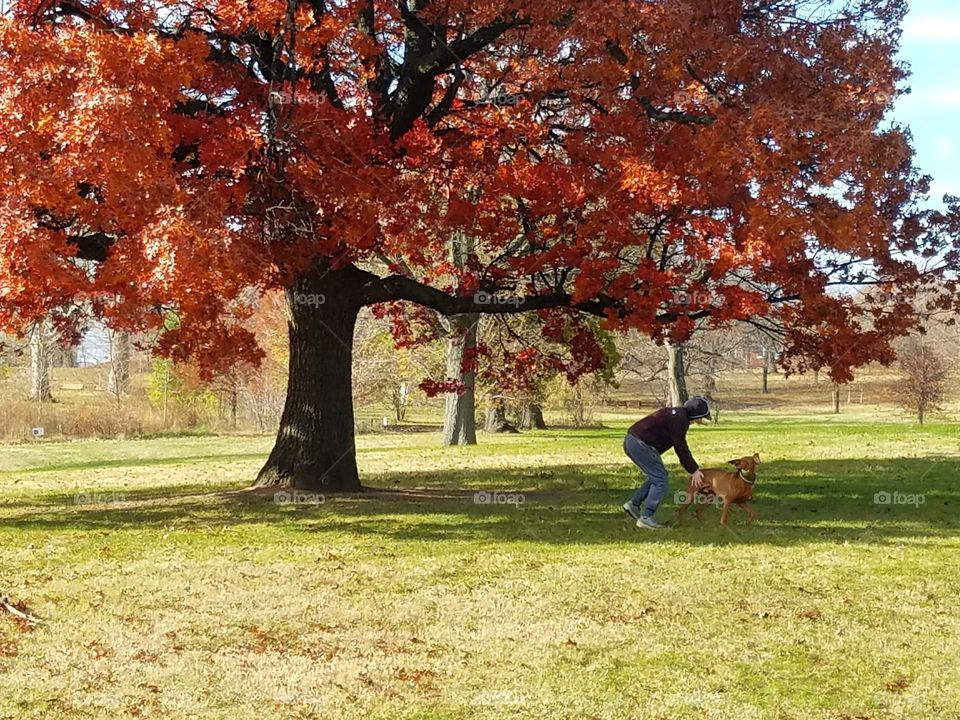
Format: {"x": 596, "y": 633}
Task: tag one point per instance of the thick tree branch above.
{"x": 397, "y": 287}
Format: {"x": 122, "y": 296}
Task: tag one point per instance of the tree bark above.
{"x": 315, "y": 447}
{"x": 676, "y": 377}
{"x": 836, "y": 399}
{"x": 710, "y": 384}
{"x": 41, "y": 346}
{"x": 459, "y": 417}
{"x": 496, "y": 420}
{"x": 532, "y": 417}
{"x": 118, "y": 381}
{"x": 460, "y": 411}
{"x": 68, "y": 357}
{"x": 766, "y": 372}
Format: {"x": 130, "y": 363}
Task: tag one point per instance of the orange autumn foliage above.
{"x": 620, "y": 158}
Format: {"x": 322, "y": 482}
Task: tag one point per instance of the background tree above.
{"x": 676, "y": 373}
{"x": 42, "y": 349}
{"x": 708, "y": 352}
{"x": 460, "y": 408}
{"x": 263, "y": 390}
{"x": 642, "y": 360}
{"x": 118, "y": 378}
{"x": 924, "y": 379}
{"x": 176, "y": 156}
{"x": 517, "y": 365}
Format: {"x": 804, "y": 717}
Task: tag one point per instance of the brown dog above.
{"x": 730, "y": 487}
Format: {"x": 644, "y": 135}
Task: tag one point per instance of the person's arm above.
{"x": 678, "y": 430}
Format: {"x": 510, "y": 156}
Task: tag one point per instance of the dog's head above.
{"x": 747, "y": 465}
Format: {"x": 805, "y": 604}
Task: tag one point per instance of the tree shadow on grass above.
{"x": 816, "y": 501}
{"x": 119, "y": 463}
{"x": 798, "y": 502}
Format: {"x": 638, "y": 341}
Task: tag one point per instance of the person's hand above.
{"x": 698, "y": 480}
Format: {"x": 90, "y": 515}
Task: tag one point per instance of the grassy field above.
{"x": 170, "y": 591}
{"x": 92, "y": 413}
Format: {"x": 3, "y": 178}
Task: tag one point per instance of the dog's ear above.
{"x": 756, "y": 458}
{"x": 735, "y": 463}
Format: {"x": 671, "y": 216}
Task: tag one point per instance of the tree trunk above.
{"x": 676, "y": 378}
{"x": 41, "y": 346}
{"x": 836, "y": 399}
{"x": 496, "y": 420}
{"x": 459, "y": 417}
{"x": 401, "y": 398}
{"x": 460, "y": 410}
{"x": 532, "y": 417}
{"x": 68, "y": 357}
{"x": 710, "y": 383}
{"x": 766, "y": 373}
{"x": 315, "y": 447}
{"x": 118, "y": 381}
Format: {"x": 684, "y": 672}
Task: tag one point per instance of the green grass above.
{"x": 183, "y": 595}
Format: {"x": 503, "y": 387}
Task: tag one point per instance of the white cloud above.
{"x": 946, "y": 96}
{"x": 939, "y": 27}
{"x": 942, "y": 186}
{"x": 946, "y": 147}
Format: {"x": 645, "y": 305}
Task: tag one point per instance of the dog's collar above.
{"x": 747, "y": 480}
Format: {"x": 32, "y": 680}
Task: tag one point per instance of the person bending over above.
{"x": 647, "y": 440}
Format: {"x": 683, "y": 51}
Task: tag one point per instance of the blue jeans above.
{"x": 654, "y": 489}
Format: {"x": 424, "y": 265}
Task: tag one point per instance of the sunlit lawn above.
{"x": 170, "y": 592}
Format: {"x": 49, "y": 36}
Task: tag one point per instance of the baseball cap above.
{"x": 697, "y": 409}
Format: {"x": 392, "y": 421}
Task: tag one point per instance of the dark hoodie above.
{"x": 665, "y": 429}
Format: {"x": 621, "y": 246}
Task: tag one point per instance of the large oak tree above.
{"x": 615, "y": 158}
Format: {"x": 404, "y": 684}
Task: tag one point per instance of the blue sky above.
{"x": 931, "y": 46}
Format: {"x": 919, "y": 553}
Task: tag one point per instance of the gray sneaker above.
{"x": 646, "y": 521}
{"x": 632, "y": 510}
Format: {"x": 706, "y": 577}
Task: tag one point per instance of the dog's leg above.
{"x": 701, "y": 506}
{"x": 691, "y": 493}
{"x": 726, "y": 511}
{"x": 703, "y": 500}
{"x": 751, "y": 513}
